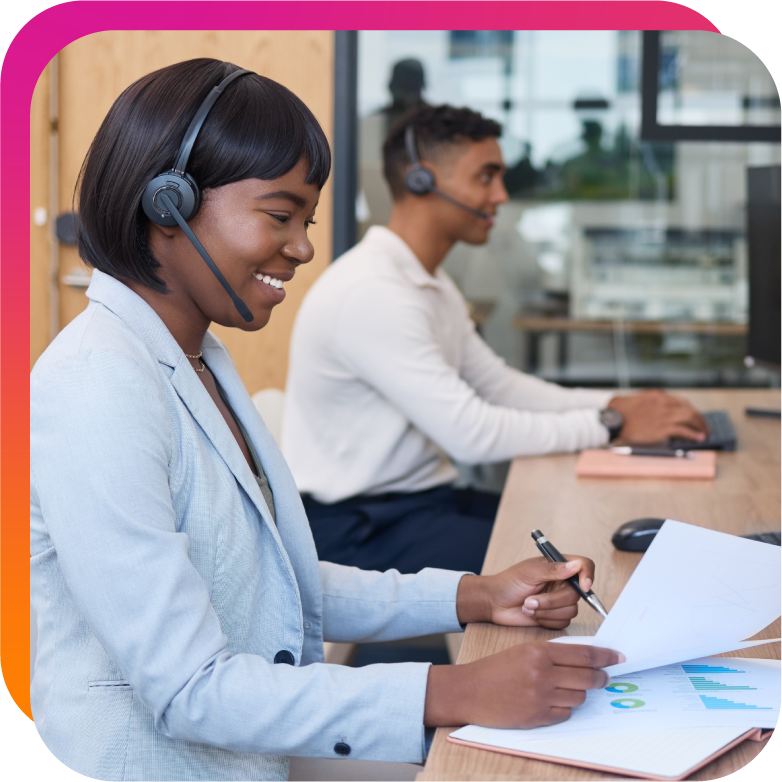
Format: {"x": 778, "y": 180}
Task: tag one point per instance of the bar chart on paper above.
{"x": 701, "y": 683}
{"x": 719, "y": 687}
{"x": 711, "y": 702}
{"x": 713, "y": 686}
{"x": 694, "y": 668}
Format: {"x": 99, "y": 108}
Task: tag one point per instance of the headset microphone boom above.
{"x": 173, "y": 198}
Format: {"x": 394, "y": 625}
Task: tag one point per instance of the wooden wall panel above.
{"x": 39, "y": 234}
{"x": 96, "y": 68}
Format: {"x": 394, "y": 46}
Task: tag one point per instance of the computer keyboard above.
{"x": 722, "y": 435}
{"x": 766, "y": 537}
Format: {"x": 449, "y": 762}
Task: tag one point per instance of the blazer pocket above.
{"x": 109, "y": 686}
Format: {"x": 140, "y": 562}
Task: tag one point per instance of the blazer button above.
{"x": 341, "y": 748}
{"x": 284, "y": 656}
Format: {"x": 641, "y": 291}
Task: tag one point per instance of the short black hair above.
{"x": 257, "y": 129}
{"x": 435, "y": 127}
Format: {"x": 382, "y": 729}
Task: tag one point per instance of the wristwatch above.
{"x": 613, "y": 420}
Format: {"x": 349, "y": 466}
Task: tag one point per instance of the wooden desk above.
{"x": 580, "y": 514}
{"x": 536, "y": 325}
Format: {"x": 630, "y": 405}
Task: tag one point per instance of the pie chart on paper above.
{"x": 628, "y": 703}
{"x": 621, "y": 687}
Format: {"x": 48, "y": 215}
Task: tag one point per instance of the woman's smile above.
{"x": 256, "y": 233}
{"x": 271, "y": 284}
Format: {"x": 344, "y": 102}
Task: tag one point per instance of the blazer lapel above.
{"x": 151, "y": 330}
{"x": 201, "y": 406}
{"x": 292, "y": 524}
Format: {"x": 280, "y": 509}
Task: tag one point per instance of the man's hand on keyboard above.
{"x": 652, "y": 416}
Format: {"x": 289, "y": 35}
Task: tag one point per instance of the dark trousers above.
{"x": 441, "y": 527}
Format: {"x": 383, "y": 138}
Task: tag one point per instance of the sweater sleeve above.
{"x": 389, "y": 342}
{"x": 499, "y": 384}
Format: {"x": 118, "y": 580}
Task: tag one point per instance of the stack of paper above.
{"x": 696, "y": 592}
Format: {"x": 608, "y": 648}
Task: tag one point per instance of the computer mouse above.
{"x": 636, "y": 535}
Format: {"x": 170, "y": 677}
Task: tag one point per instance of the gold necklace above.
{"x": 200, "y": 358}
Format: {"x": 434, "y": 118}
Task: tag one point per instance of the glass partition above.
{"x": 616, "y": 261}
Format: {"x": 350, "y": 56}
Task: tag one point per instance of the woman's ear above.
{"x": 163, "y": 232}
{"x": 161, "y": 241}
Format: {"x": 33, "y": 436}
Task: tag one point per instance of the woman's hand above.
{"x": 521, "y": 687}
{"x": 530, "y": 593}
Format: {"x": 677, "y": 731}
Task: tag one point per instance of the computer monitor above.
{"x": 765, "y": 261}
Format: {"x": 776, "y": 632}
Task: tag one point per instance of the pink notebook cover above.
{"x": 755, "y": 734}
{"x": 606, "y": 464}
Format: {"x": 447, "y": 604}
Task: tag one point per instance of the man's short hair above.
{"x": 435, "y": 128}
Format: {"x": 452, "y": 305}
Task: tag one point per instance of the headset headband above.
{"x": 188, "y": 141}
{"x": 412, "y": 153}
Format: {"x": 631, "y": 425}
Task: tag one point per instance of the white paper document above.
{"x": 690, "y": 710}
{"x": 696, "y": 592}
{"x": 709, "y": 692}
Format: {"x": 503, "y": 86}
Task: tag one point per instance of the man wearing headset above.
{"x": 388, "y": 380}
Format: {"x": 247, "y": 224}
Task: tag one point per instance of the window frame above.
{"x": 345, "y": 163}
{"x": 652, "y": 130}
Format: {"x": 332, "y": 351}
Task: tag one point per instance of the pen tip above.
{"x": 597, "y": 605}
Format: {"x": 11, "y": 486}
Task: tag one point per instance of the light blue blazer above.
{"x": 164, "y": 590}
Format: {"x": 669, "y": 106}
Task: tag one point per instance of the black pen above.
{"x": 549, "y": 551}
{"x": 762, "y": 412}
{"x": 676, "y": 453}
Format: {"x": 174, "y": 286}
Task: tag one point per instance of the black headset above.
{"x": 173, "y": 197}
{"x": 420, "y": 180}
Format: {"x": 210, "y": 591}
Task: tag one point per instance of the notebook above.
{"x": 606, "y": 464}
{"x": 656, "y": 754}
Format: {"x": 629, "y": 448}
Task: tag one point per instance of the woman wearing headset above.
{"x": 181, "y": 607}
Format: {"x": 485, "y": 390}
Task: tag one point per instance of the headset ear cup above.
{"x": 181, "y": 188}
{"x": 419, "y": 180}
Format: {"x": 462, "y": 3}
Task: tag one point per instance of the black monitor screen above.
{"x": 765, "y": 260}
